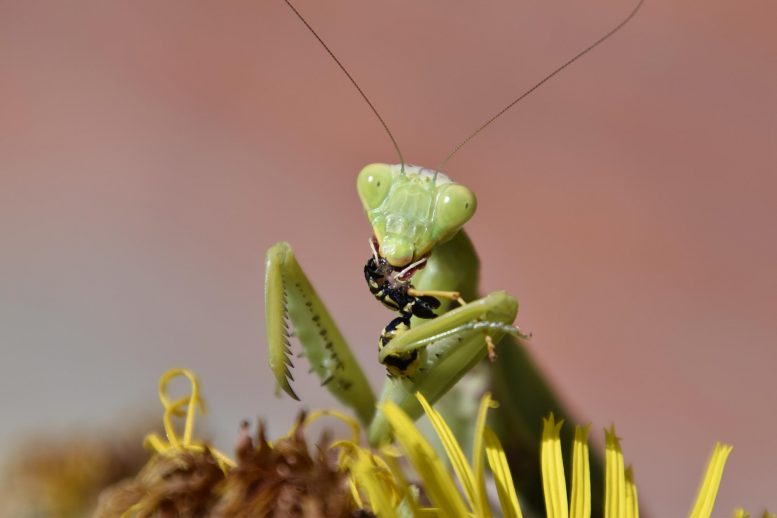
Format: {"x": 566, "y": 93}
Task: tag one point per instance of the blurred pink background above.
{"x": 150, "y": 152}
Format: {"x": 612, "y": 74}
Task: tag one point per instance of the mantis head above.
{"x": 412, "y": 209}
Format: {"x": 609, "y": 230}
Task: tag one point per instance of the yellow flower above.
{"x": 345, "y": 476}
{"x": 620, "y": 490}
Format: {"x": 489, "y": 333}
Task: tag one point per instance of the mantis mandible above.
{"x": 420, "y": 255}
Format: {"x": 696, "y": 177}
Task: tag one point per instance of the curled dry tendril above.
{"x": 185, "y": 407}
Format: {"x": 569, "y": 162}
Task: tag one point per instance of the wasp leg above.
{"x": 490, "y": 348}
{"x": 453, "y": 295}
{"x": 421, "y": 307}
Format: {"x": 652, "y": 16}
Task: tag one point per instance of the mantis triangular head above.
{"x": 412, "y": 209}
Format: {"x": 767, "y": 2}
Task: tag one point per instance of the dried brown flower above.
{"x": 178, "y": 485}
{"x": 282, "y": 480}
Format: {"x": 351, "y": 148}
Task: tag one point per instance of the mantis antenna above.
{"x": 355, "y": 84}
{"x": 542, "y": 81}
{"x": 501, "y": 112}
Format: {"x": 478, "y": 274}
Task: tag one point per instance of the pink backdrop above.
{"x": 151, "y": 151}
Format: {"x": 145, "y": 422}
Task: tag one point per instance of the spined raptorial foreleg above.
{"x": 290, "y": 296}
{"x": 446, "y": 348}
{"x": 493, "y": 313}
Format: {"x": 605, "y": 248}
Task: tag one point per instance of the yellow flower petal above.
{"x": 183, "y": 407}
{"x": 366, "y": 473}
{"x": 709, "y": 486}
{"x": 352, "y": 423}
{"x": 438, "y": 483}
{"x": 553, "y": 481}
{"x": 477, "y": 453}
{"x": 741, "y": 513}
{"x": 502, "y": 476}
{"x": 580, "y": 505}
{"x": 409, "y": 503}
{"x": 456, "y": 456}
{"x": 614, "y": 477}
{"x": 632, "y": 504}
{"x": 174, "y": 408}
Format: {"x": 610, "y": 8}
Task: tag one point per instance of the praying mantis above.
{"x": 413, "y": 211}
{"x": 424, "y": 267}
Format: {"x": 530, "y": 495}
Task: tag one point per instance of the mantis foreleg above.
{"x": 452, "y": 344}
{"x": 289, "y": 295}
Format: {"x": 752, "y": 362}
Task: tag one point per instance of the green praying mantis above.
{"x": 425, "y": 269}
{"x": 416, "y": 216}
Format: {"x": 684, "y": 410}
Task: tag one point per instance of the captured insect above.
{"x": 422, "y": 266}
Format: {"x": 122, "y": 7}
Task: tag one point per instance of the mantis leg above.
{"x": 452, "y": 344}
{"x": 290, "y": 296}
{"x": 496, "y": 311}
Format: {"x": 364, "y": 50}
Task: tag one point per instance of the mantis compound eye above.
{"x": 455, "y": 205}
{"x": 373, "y": 184}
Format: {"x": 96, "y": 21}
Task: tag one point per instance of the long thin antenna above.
{"x": 540, "y": 83}
{"x": 353, "y": 81}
